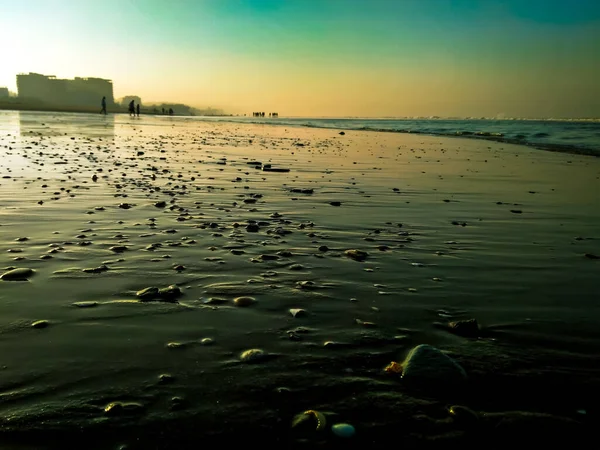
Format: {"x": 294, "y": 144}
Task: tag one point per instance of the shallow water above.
{"x": 454, "y": 229}
{"x": 568, "y": 136}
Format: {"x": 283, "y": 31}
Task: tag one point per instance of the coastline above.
{"x": 405, "y": 126}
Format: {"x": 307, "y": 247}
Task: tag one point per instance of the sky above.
{"x": 318, "y": 58}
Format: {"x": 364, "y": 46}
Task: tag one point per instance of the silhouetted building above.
{"x": 125, "y": 101}
{"x": 3, "y": 92}
{"x": 79, "y": 92}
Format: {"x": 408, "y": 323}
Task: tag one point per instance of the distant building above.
{"x": 79, "y": 92}
{"x": 3, "y": 92}
{"x": 127, "y": 99}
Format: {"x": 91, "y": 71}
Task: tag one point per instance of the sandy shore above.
{"x": 100, "y": 208}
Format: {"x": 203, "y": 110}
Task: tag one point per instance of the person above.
{"x": 132, "y": 108}
{"x": 138, "y": 110}
{"x": 103, "y": 110}
{"x": 170, "y": 111}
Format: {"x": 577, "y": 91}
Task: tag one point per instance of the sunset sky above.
{"x": 518, "y": 58}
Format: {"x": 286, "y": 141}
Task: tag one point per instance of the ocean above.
{"x": 576, "y": 136}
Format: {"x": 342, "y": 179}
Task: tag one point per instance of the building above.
{"x": 3, "y": 93}
{"x": 127, "y": 99}
{"x": 78, "y": 93}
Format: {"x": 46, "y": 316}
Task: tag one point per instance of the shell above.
{"x": 393, "y": 367}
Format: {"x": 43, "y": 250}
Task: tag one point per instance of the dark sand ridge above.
{"x": 454, "y": 229}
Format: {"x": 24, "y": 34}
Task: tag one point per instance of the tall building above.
{"x": 3, "y": 92}
{"x": 79, "y": 92}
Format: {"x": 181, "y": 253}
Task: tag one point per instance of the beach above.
{"x": 344, "y": 250}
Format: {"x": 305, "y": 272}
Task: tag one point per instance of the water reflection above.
{"x": 61, "y": 124}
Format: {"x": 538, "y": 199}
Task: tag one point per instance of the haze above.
{"x": 515, "y": 58}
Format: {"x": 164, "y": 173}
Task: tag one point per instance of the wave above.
{"x": 583, "y": 135}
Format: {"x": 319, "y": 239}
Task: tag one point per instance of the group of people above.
{"x": 133, "y": 109}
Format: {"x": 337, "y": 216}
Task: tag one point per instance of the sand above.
{"x": 450, "y": 229}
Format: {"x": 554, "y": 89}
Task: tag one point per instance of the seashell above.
{"x": 319, "y": 417}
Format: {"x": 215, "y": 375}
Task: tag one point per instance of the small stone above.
{"x": 214, "y": 301}
{"x": 207, "y": 341}
{"x": 19, "y": 274}
{"x": 356, "y": 255}
{"x": 170, "y": 293}
{"x": 365, "y": 324}
{"x": 253, "y": 355}
{"x": 40, "y": 324}
{"x": 148, "y": 293}
{"x": 99, "y": 269}
{"x": 244, "y": 301}
{"x": 175, "y": 345}
{"x": 343, "y": 430}
{"x": 465, "y": 328}
{"x": 298, "y": 312}
{"x": 85, "y": 304}
{"x": 429, "y": 366}
{"x": 166, "y": 378}
{"x": 177, "y": 403}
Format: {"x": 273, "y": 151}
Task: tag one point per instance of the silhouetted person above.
{"x": 103, "y": 110}
{"x": 132, "y": 108}
{"x": 138, "y": 110}
{"x": 170, "y": 111}
{"x": 163, "y": 110}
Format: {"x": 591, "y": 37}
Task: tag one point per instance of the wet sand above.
{"x": 447, "y": 229}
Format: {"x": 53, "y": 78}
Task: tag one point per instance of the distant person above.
{"x": 163, "y": 110}
{"x": 103, "y": 110}
{"x": 132, "y": 108}
{"x": 138, "y": 110}
{"x": 170, "y": 111}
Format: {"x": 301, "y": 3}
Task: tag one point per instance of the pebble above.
{"x": 166, "y": 378}
{"x": 85, "y": 304}
{"x": 465, "y": 328}
{"x": 20, "y": 274}
{"x": 253, "y": 355}
{"x": 298, "y": 312}
{"x": 343, "y": 430}
{"x": 40, "y": 324}
{"x": 244, "y": 301}
{"x": 429, "y": 366}
{"x": 356, "y": 255}
{"x": 168, "y": 294}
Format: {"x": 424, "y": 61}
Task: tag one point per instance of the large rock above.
{"x": 427, "y": 365}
